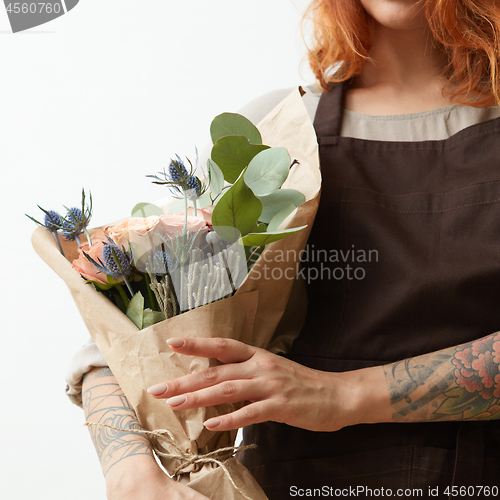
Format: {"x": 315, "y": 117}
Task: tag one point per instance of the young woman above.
{"x": 394, "y": 380}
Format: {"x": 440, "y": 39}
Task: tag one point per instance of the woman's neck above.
{"x": 404, "y": 74}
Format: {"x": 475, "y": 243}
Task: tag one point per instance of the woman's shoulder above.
{"x": 258, "y": 108}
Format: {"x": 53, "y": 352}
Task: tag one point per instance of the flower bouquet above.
{"x": 225, "y": 270}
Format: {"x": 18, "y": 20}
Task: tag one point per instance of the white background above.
{"x": 98, "y": 99}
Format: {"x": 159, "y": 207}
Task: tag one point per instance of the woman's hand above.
{"x": 146, "y": 481}
{"x": 273, "y": 388}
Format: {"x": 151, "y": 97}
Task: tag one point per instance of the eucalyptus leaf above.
{"x": 233, "y": 153}
{"x": 216, "y": 177}
{"x": 237, "y": 212}
{"x": 146, "y": 210}
{"x": 234, "y": 124}
{"x": 258, "y": 239}
{"x": 152, "y": 317}
{"x": 135, "y": 310}
{"x": 259, "y": 228}
{"x": 268, "y": 171}
{"x": 277, "y": 201}
{"x": 280, "y": 217}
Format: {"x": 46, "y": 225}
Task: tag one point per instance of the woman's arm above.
{"x": 457, "y": 383}
{"x": 127, "y": 460}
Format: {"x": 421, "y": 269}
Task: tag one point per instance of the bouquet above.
{"x": 223, "y": 267}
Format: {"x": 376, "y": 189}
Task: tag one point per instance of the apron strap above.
{"x": 329, "y": 114}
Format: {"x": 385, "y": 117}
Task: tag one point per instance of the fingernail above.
{"x": 176, "y": 400}
{"x": 211, "y": 422}
{"x": 158, "y": 389}
{"x": 176, "y": 342}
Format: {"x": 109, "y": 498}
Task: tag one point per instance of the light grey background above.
{"x": 98, "y": 99}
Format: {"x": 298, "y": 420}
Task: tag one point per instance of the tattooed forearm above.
{"x": 105, "y": 403}
{"x": 459, "y": 383}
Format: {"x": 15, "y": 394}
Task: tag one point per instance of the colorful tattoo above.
{"x": 459, "y": 383}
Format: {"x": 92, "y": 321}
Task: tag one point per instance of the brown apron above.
{"x": 406, "y": 251}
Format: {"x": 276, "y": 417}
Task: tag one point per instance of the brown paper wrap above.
{"x": 140, "y": 359}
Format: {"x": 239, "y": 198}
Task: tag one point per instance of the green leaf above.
{"x": 259, "y": 228}
{"x": 135, "y": 310}
{"x": 216, "y": 177}
{"x": 277, "y": 201}
{"x": 237, "y": 212}
{"x": 268, "y": 171}
{"x": 232, "y": 154}
{"x": 280, "y": 217}
{"x": 234, "y": 124}
{"x": 152, "y": 317}
{"x": 100, "y": 286}
{"x": 145, "y": 210}
{"x": 257, "y": 239}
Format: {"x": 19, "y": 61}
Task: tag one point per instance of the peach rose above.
{"x": 84, "y": 266}
{"x": 205, "y": 213}
{"x": 172, "y": 224}
{"x": 132, "y": 230}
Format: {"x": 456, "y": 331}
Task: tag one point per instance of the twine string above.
{"x": 187, "y": 458}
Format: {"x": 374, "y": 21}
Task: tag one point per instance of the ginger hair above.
{"x": 468, "y": 32}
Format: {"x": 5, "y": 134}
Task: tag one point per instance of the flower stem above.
{"x": 77, "y": 240}
{"x": 87, "y": 235}
{"x": 151, "y": 296}
{"x": 128, "y": 286}
{"x": 195, "y": 208}
{"x": 183, "y": 260}
{"x": 59, "y": 243}
{"x": 122, "y": 293}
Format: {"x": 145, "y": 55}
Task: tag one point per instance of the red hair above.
{"x": 468, "y": 32}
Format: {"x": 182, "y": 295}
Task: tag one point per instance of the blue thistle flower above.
{"x": 52, "y": 220}
{"x": 177, "y": 171}
{"x": 193, "y": 187}
{"x": 76, "y": 221}
{"x": 180, "y": 180}
{"x": 161, "y": 263}
{"x": 117, "y": 262}
{"x": 73, "y": 224}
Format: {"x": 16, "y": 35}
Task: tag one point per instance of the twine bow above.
{"x": 187, "y": 458}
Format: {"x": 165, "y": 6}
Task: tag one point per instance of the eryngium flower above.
{"x": 52, "y": 220}
{"x": 115, "y": 262}
{"x": 73, "y": 224}
{"x": 161, "y": 262}
{"x": 76, "y": 221}
{"x": 180, "y": 180}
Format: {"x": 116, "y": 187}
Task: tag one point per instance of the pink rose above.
{"x": 205, "y": 213}
{"x": 84, "y": 266}
{"x": 172, "y": 224}
{"x": 132, "y": 230}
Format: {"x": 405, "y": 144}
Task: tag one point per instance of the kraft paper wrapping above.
{"x": 139, "y": 359}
